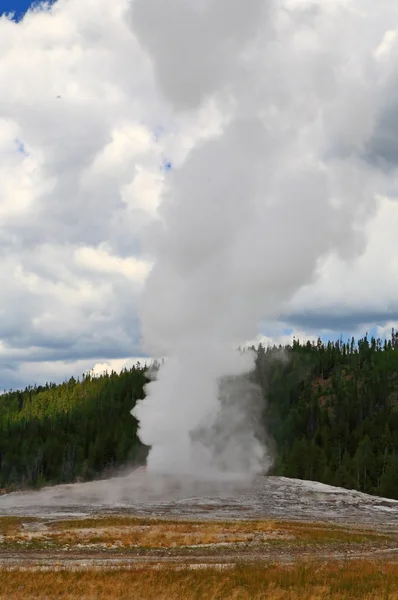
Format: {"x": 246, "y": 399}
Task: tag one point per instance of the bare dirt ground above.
{"x": 136, "y": 520}
{"x": 120, "y": 542}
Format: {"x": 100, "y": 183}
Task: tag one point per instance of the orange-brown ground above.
{"x": 123, "y": 557}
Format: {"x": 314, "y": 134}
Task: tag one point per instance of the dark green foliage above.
{"x": 331, "y": 409}
{"x": 73, "y": 431}
{"x": 333, "y": 412}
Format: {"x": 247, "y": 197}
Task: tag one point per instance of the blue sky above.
{"x": 19, "y": 7}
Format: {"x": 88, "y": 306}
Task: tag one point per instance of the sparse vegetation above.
{"x": 121, "y": 534}
{"x": 158, "y": 533}
{"x": 12, "y": 525}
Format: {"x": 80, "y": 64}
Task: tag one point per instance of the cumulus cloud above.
{"x": 97, "y": 97}
{"x": 357, "y": 294}
{"x": 76, "y": 135}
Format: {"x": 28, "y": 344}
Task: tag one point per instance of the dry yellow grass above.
{"x": 146, "y": 533}
{"x": 310, "y": 581}
{"x": 365, "y": 580}
{"x": 12, "y": 525}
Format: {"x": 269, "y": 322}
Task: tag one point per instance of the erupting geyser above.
{"x": 210, "y": 429}
{"x": 274, "y": 180}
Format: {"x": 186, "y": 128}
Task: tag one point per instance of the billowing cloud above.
{"x": 79, "y": 165}
{"x": 348, "y": 296}
{"x": 97, "y": 101}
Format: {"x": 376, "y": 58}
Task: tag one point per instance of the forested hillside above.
{"x": 76, "y": 430}
{"x": 331, "y": 410}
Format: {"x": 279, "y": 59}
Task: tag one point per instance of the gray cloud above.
{"x": 279, "y": 121}
{"x": 382, "y": 148}
{"x": 194, "y": 45}
{"x": 349, "y": 322}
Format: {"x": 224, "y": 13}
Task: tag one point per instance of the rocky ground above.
{"x": 141, "y": 494}
{"x": 141, "y": 520}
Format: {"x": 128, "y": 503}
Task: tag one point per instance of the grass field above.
{"x": 311, "y": 581}
{"x": 116, "y": 557}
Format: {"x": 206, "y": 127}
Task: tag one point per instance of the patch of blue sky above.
{"x": 166, "y": 166}
{"x": 18, "y": 8}
{"x": 287, "y": 331}
{"x": 21, "y": 147}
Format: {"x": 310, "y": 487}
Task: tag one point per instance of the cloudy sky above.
{"x": 88, "y": 144}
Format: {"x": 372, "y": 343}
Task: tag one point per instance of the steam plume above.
{"x": 290, "y": 154}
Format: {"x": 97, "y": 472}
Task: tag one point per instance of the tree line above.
{"x": 74, "y": 431}
{"x": 330, "y": 410}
